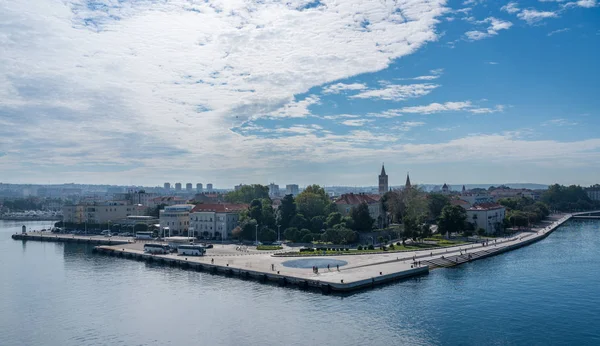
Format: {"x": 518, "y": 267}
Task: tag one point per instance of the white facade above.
{"x": 593, "y": 194}
{"x": 273, "y": 190}
{"x": 215, "y": 220}
{"x": 291, "y": 189}
{"x": 489, "y": 218}
{"x": 209, "y": 187}
{"x": 100, "y": 212}
{"x": 176, "y": 218}
{"x": 473, "y": 199}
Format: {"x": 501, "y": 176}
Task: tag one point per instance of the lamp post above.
{"x": 372, "y": 241}
{"x": 256, "y": 242}
{"x": 278, "y": 232}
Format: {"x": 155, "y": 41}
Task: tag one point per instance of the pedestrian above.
{"x": 328, "y": 267}
{"x": 338, "y": 267}
{"x": 212, "y": 261}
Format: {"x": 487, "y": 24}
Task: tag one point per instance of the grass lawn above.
{"x": 269, "y": 247}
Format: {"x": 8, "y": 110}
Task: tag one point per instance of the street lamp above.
{"x": 256, "y": 242}
{"x": 278, "y": 232}
{"x": 372, "y": 241}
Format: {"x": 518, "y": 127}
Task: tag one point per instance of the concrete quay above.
{"x": 359, "y": 271}
{"x": 68, "y": 238}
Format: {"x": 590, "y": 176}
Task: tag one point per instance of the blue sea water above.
{"x": 547, "y": 293}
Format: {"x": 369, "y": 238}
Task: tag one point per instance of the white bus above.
{"x": 191, "y": 250}
{"x": 143, "y": 235}
{"x": 157, "y": 248}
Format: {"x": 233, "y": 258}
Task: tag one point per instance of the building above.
{"x": 347, "y": 201}
{"x": 593, "y": 192}
{"x": 177, "y": 187}
{"x": 383, "y": 181}
{"x": 273, "y": 190}
{"x": 291, "y": 189}
{"x": 102, "y": 212}
{"x": 199, "y": 188}
{"x": 188, "y": 187}
{"x": 513, "y": 193}
{"x": 206, "y": 197}
{"x": 215, "y": 221}
{"x": 175, "y": 219}
{"x": 445, "y": 189}
{"x": 476, "y": 198}
{"x": 167, "y": 186}
{"x": 170, "y": 200}
{"x": 407, "y": 185}
{"x": 209, "y": 187}
{"x": 135, "y": 197}
{"x": 488, "y": 216}
{"x": 238, "y": 187}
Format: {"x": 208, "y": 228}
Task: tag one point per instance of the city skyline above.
{"x": 299, "y": 92}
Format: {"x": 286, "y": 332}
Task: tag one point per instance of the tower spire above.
{"x": 407, "y": 185}
{"x": 383, "y": 170}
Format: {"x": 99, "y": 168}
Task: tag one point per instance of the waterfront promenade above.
{"x": 360, "y": 271}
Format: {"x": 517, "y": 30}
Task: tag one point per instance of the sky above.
{"x": 299, "y": 91}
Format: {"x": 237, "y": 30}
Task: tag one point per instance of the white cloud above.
{"x": 356, "y": 122}
{"x": 492, "y": 63}
{"x": 339, "y": 87}
{"x": 587, "y": 3}
{"x": 450, "y": 107}
{"x": 558, "y": 31}
{"x": 495, "y": 25}
{"x": 511, "y": 7}
{"x": 534, "y": 16}
{"x": 397, "y": 92}
{"x": 181, "y": 72}
{"x": 340, "y": 116}
{"x": 406, "y": 126}
{"x": 295, "y": 109}
{"x": 559, "y": 122}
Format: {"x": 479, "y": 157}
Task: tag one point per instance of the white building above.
{"x": 176, "y": 218}
{"x": 488, "y": 216}
{"x": 199, "y": 187}
{"x": 273, "y": 190}
{"x": 209, "y": 187}
{"x": 102, "y": 212}
{"x": 215, "y": 220}
{"x": 593, "y": 193}
{"x": 188, "y": 187}
{"x": 291, "y": 189}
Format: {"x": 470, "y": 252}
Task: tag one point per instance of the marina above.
{"x": 360, "y": 271}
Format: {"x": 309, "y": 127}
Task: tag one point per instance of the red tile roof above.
{"x": 219, "y": 207}
{"x": 355, "y": 199}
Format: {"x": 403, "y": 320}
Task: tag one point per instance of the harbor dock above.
{"x": 358, "y": 271}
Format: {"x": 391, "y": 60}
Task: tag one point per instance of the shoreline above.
{"x": 360, "y": 272}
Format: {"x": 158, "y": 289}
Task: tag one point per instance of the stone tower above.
{"x": 407, "y": 185}
{"x": 383, "y": 181}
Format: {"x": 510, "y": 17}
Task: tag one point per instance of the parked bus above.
{"x": 191, "y": 250}
{"x": 157, "y": 248}
{"x": 143, "y": 235}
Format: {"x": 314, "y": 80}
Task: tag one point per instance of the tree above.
{"x": 333, "y": 219}
{"x": 299, "y": 221}
{"x": 290, "y": 233}
{"x": 313, "y": 201}
{"x": 363, "y": 222}
{"x": 287, "y": 211}
{"x": 267, "y": 215}
{"x": 155, "y": 212}
{"x": 255, "y": 210}
{"x": 410, "y": 228}
{"x": 437, "y": 202}
{"x": 267, "y": 235}
{"x": 452, "y": 219}
{"x": 317, "y": 223}
{"x": 247, "y": 194}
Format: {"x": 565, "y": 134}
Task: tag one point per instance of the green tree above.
{"x": 313, "y": 201}
{"x": 255, "y": 210}
{"x": 299, "y": 221}
{"x": 290, "y": 233}
{"x": 437, "y": 202}
{"x": 287, "y": 211}
{"x": 317, "y": 223}
{"x": 267, "y": 235}
{"x": 333, "y": 219}
{"x": 452, "y": 219}
{"x": 363, "y": 222}
{"x": 248, "y": 193}
{"x": 267, "y": 213}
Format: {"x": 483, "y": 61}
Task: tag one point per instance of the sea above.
{"x": 547, "y": 293}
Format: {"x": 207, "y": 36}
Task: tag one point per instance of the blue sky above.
{"x": 143, "y": 92}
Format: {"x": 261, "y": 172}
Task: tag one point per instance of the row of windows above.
{"x": 174, "y": 223}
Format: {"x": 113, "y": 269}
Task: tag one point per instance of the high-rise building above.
{"x": 199, "y": 187}
{"x": 167, "y": 186}
{"x": 383, "y": 181}
{"x": 273, "y": 190}
{"x": 291, "y": 189}
{"x": 188, "y": 187}
{"x": 209, "y": 187}
{"x": 177, "y": 186}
